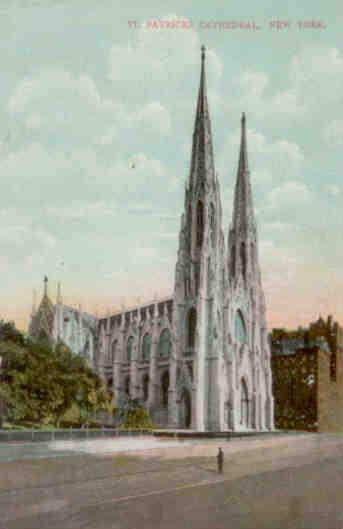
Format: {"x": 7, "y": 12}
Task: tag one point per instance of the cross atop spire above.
{"x": 243, "y": 207}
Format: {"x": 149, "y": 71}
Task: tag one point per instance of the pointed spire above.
{"x": 243, "y": 155}
{"x": 202, "y": 163}
{"x": 34, "y": 303}
{"x": 202, "y": 96}
{"x": 243, "y": 213}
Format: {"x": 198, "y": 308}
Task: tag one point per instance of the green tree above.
{"x": 132, "y": 414}
{"x": 41, "y": 383}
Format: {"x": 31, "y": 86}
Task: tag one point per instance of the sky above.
{"x": 88, "y": 90}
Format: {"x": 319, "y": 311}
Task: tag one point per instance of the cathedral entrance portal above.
{"x": 185, "y": 415}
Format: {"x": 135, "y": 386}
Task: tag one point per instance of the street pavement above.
{"x": 276, "y": 482}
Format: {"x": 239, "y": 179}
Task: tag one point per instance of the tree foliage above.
{"x": 41, "y": 383}
{"x": 132, "y": 414}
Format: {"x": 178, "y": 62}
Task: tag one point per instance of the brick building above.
{"x": 307, "y": 367}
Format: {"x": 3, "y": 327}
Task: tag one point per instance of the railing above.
{"x": 67, "y": 434}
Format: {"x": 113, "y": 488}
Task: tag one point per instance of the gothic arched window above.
{"x": 243, "y": 259}
{"x": 233, "y": 261}
{"x": 129, "y": 348}
{"x": 200, "y": 223}
{"x": 127, "y": 385}
{"x": 146, "y": 348}
{"x": 114, "y": 351}
{"x": 252, "y": 255}
{"x": 145, "y": 387}
{"x": 165, "y": 388}
{"x": 191, "y": 328}
{"x": 189, "y": 234}
{"x": 240, "y": 330}
{"x": 212, "y": 217}
{"x": 165, "y": 344}
{"x": 196, "y": 277}
{"x": 212, "y": 223}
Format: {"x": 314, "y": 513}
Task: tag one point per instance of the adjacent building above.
{"x": 307, "y": 367}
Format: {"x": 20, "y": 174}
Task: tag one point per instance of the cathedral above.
{"x": 201, "y": 358}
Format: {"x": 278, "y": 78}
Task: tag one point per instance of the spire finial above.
{"x": 243, "y": 157}
{"x": 203, "y": 50}
{"x": 45, "y": 285}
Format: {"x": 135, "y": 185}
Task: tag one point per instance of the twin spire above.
{"x": 46, "y": 294}
{"x": 202, "y": 162}
{"x": 243, "y": 213}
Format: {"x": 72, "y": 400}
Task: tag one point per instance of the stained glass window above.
{"x": 212, "y": 217}
{"x": 146, "y": 348}
{"x": 114, "y": 350}
{"x": 165, "y": 344}
{"x": 240, "y": 331}
{"x": 129, "y": 349}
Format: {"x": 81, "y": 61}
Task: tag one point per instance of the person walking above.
{"x": 220, "y": 460}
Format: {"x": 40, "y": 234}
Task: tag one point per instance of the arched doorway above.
{"x": 244, "y": 404}
{"x": 185, "y": 410}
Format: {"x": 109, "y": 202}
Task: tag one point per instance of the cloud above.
{"x": 333, "y": 190}
{"x": 314, "y": 80}
{"x": 316, "y": 73}
{"x": 333, "y": 133}
{"x": 157, "y": 65}
{"x": 252, "y": 83}
{"x": 252, "y": 90}
{"x": 21, "y": 237}
{"x": 155, "y": 117}
{"x": 79, "y": 210}
{"x": 290, "y": 195}
{"x": 270, "y": 162}
{"x": 57, "y": 105}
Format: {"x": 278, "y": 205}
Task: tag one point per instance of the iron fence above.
{"x": 33, "y": 435}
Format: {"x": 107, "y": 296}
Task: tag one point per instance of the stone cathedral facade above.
{"x": 199, "y": 359}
